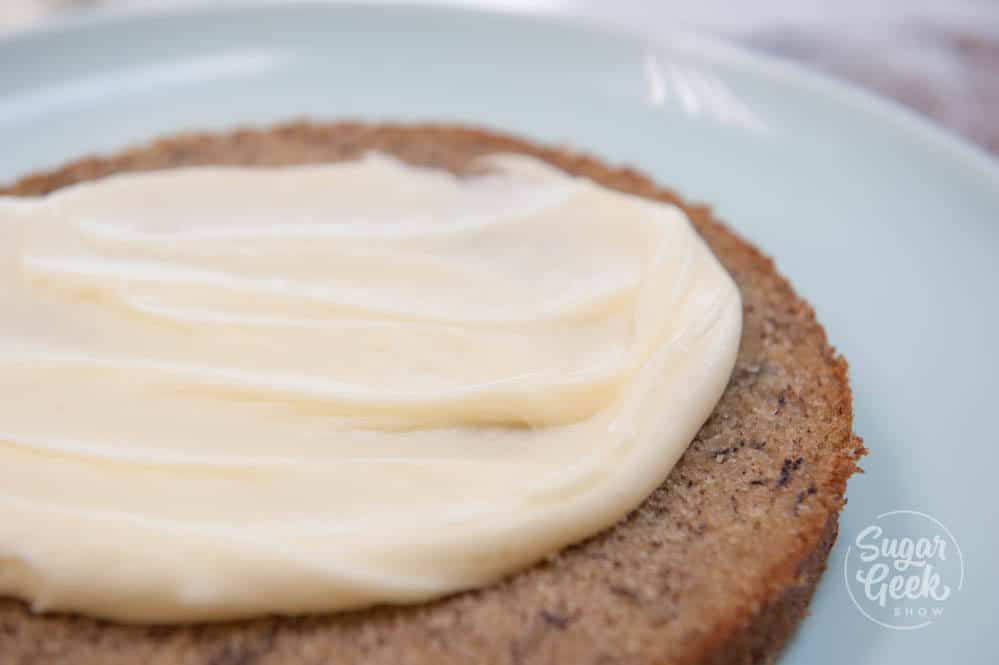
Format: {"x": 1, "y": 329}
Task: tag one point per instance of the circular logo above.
{"x": 902, "y": 569}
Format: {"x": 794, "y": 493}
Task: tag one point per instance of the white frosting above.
{"x": 228, "y": 391}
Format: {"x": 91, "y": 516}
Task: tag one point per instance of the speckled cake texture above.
{"x": 716, "y": 566}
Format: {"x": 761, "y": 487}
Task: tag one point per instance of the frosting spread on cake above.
{"x": 232, "y": 391}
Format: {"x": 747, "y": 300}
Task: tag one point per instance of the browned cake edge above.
{"x": 752, "y": 632}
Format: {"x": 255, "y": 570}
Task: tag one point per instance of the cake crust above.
{"x": 716, "y": 566}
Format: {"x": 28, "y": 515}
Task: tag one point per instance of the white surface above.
{"x": 938, "y": 56}
{"x": 651, "y": 15}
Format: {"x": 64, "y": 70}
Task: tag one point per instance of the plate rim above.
{"x": 847, "y": 94}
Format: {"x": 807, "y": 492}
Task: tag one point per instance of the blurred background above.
{"x": 940, "y": 57}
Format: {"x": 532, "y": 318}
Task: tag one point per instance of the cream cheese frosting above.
{"x": 226, "y": 392}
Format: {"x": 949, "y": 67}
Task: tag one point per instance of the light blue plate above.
{"x": 887, "y": 225}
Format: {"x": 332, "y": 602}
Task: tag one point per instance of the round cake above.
{"x": 716, "y": 566}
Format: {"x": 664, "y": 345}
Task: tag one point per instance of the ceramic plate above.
{"x": 887, "y": 225}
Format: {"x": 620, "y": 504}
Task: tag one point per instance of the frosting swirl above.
{"x": 240, "y": 391}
